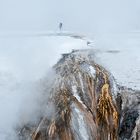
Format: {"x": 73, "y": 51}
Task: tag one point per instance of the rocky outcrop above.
{"x": 87, "y": 104}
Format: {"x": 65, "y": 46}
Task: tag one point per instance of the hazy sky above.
{"x": 36, "y": 54}
{"x": 77, "y": 15}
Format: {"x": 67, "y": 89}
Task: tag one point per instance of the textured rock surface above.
{"x": 87, "y": 105}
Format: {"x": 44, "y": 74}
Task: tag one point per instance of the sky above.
{"x": 86, "y": 16}
{"x": 25, "y": 60}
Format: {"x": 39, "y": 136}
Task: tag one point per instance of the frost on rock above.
{"x": 87, "y": 105}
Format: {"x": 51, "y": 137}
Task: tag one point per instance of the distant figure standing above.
{"x": 88, "y": 43}
{"x": 60, "y": 26}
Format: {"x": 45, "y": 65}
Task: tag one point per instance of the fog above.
{"x": 24, "y": 61}
{"x": 86, "y": 16}
{"x": 25, "y": 71}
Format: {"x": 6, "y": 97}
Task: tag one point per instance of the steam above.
{"x": 25, "y": 63}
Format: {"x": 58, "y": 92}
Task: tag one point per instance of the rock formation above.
{"x": 87, "y": 104}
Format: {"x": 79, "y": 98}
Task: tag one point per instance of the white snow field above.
{"x": 120, "y": 54}
{"x": 23, "y": 62}
{"x": 26, "y": 60}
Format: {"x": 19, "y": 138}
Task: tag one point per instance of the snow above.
{"x": 120, "y": 55}
{"x": 81, "y": 125}
{"x": 81, "y": 81}
{"x": 75, "y": 94}
{"x": 89, "y": 69}
{"x": 24, "y": 61}
{"x": 92, "y": 71}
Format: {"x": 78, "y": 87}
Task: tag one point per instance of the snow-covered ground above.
{"x": 26, "y": 60}
{"x": 120, "y": 54}
{"x": 23, "y": 62}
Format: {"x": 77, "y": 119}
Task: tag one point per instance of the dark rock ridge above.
{"x": 87, "y": 104}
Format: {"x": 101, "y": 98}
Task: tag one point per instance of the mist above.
{"x": 26, "y": 61}
{"x": 25, "y": 73}
{"x": 88, "y": 17}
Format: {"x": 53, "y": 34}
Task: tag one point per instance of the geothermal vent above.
{"x": 87, "y": 105}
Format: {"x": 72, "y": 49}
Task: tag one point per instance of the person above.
{"x": 88, "y": 43}
{"x": 60, "y": 26}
